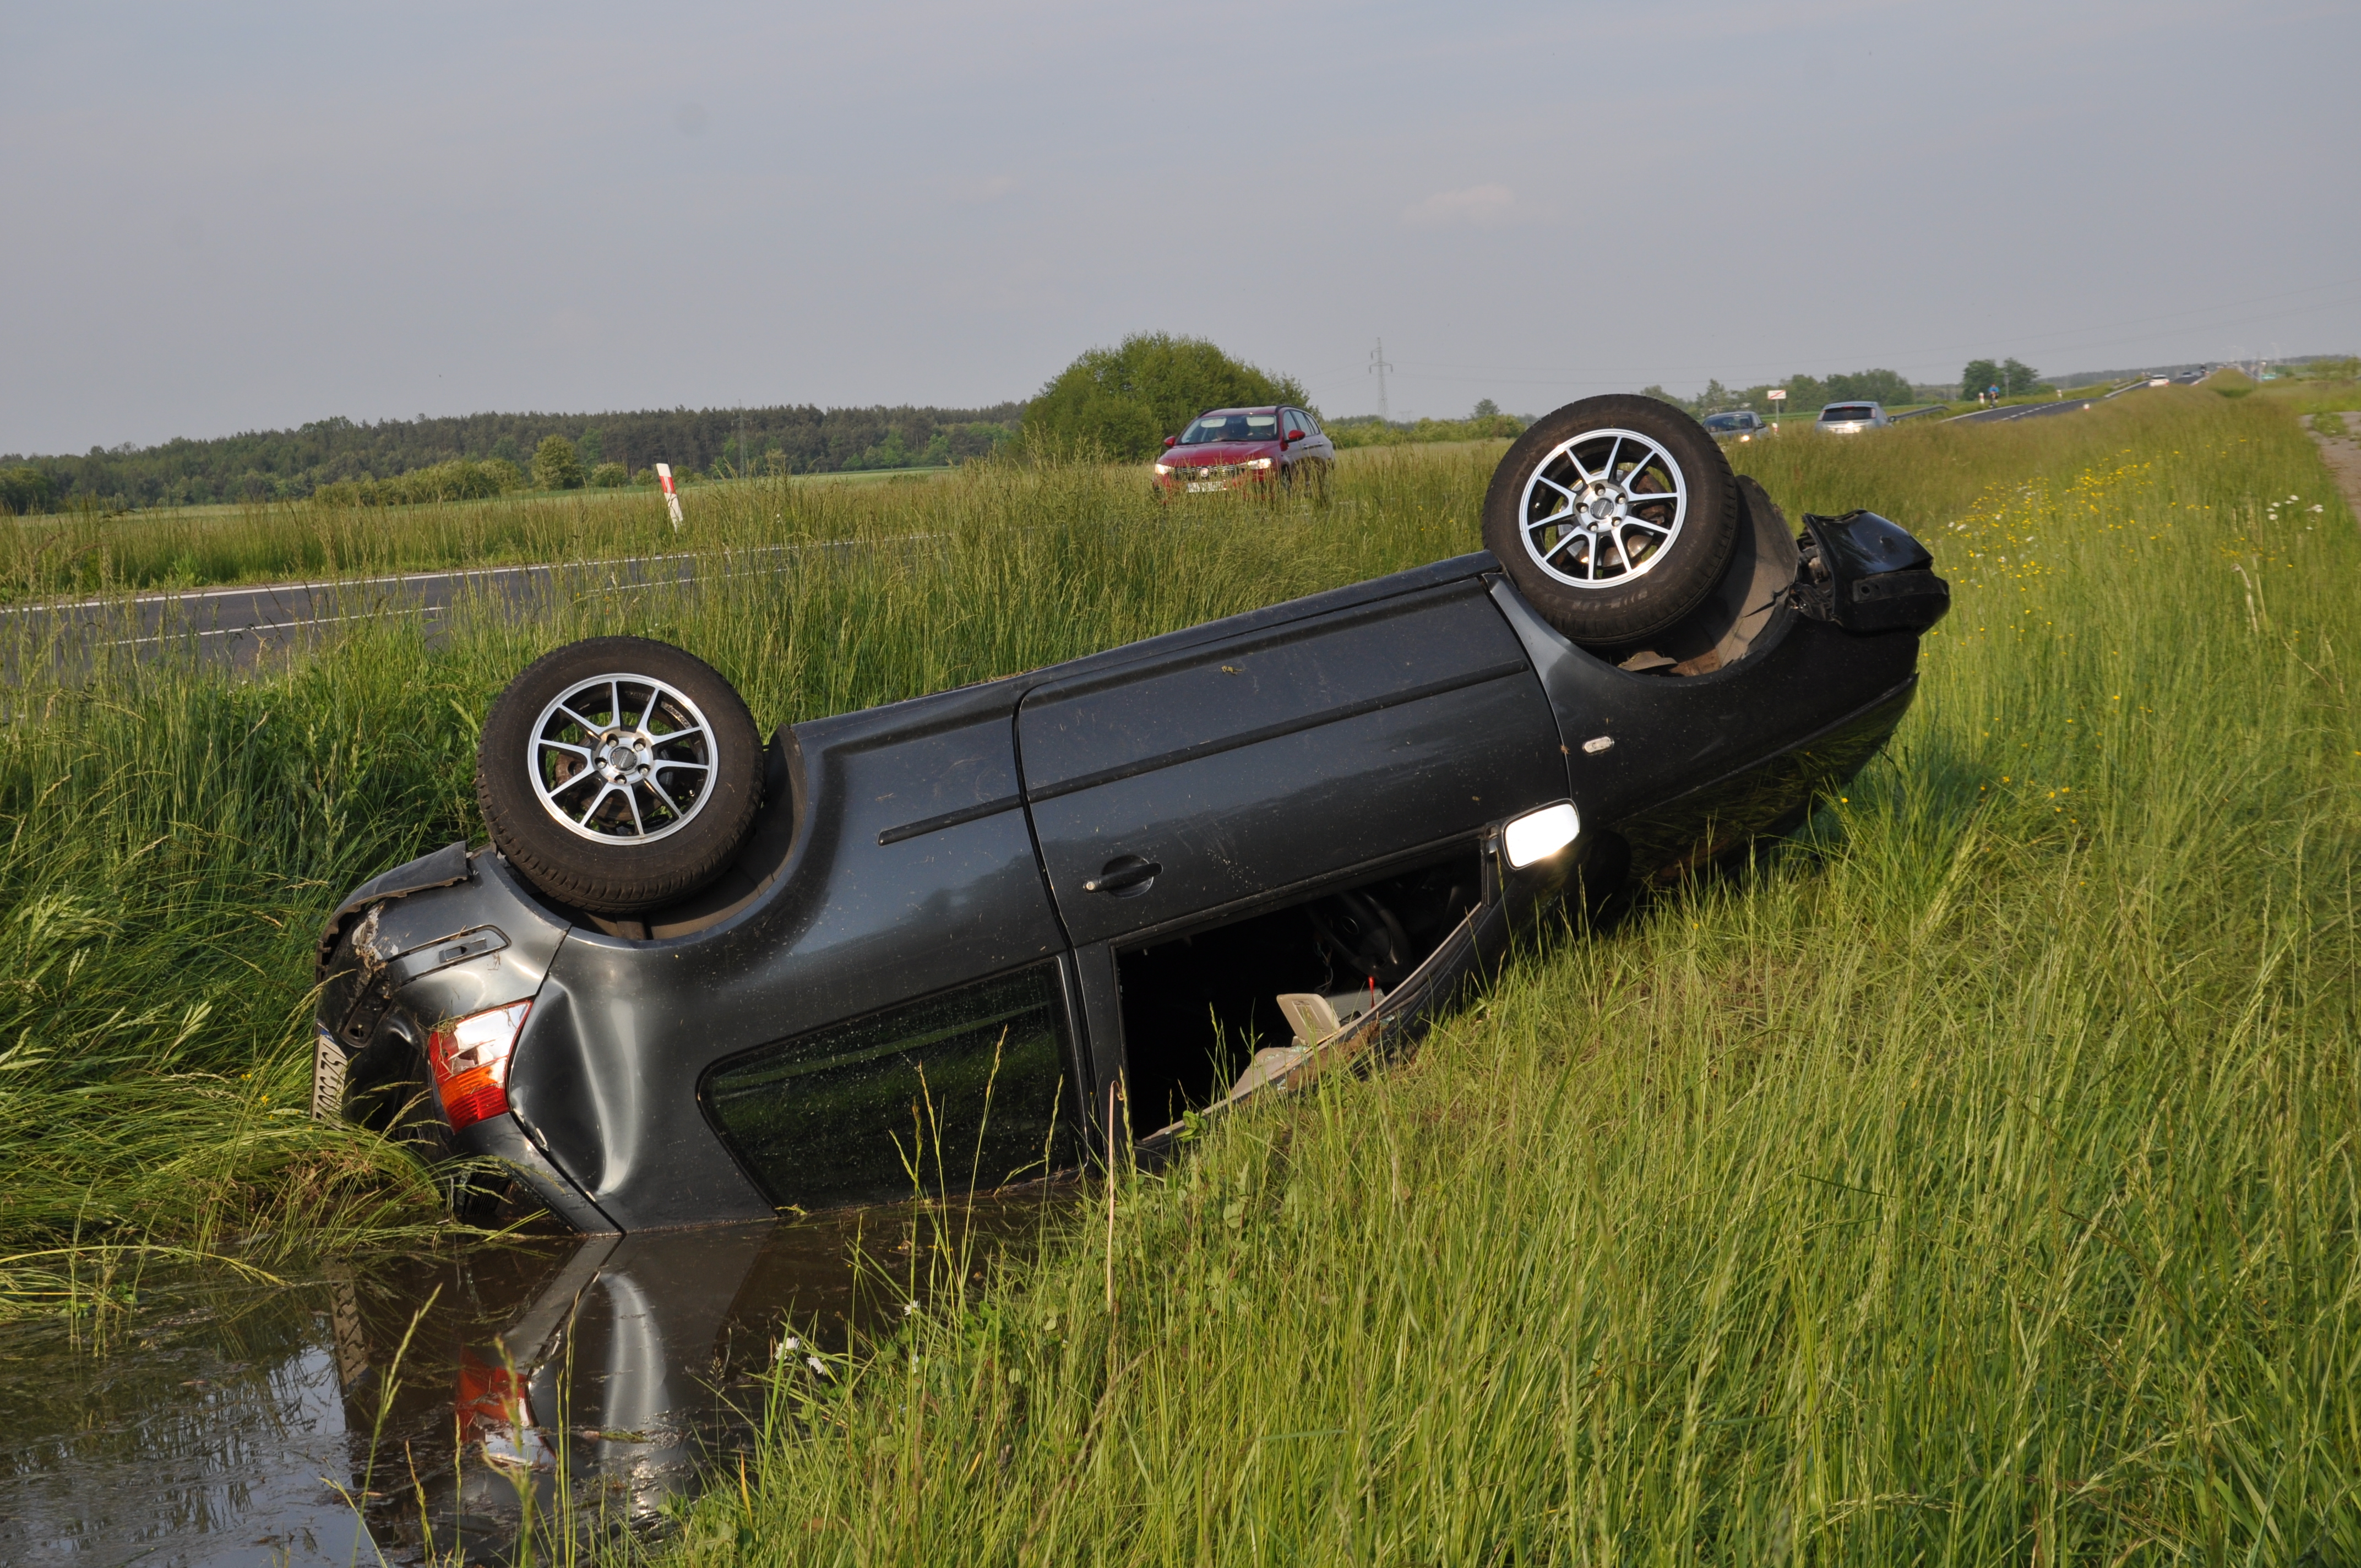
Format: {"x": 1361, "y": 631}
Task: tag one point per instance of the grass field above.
{"x": 1975, "y": 1182}
{"x": 1975, "y": 1185}
{"x": 170, "y": 838}
{"x": 91, "y": 551}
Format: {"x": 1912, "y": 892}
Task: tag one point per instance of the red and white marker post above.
{"x": 671, "y": 496}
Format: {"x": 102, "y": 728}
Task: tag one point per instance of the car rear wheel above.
{"x": 1615, "y": 517}
{"x": 618, "y": 774}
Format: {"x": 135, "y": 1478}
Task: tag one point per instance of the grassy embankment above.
{"x": 1978, "y": 1181}
{"x": 170, "y": 837}
{"x": 1975, "y": 1185}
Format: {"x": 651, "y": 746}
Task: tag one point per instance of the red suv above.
{"x": 1225, "y": 448}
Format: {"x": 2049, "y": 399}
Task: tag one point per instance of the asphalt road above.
{"x": 2023, "y": 411}
{"x": 236, "y": 626}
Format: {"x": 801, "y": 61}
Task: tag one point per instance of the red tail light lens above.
{"x": 470, "y": 1058}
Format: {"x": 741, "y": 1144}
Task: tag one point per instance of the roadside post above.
{"x": 671, "y": 496}
{"x": 1778, "y": 396}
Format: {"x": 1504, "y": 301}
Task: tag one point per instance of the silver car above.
{"x": 1736, "y": 424}
{"x": 1851, "y": 419}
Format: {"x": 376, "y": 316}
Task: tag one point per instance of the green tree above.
{"x": 1486, "y": 408}
{"x": 504, "y": 450}
{"x": 1804, "y": 392}
{"x": 1981, "y": 376}
{"x": 2017, "y": 377}
{"x": 592, "y": 449}
{"x": 554, "y": 464}
{"x": 26, "y": 490}
{"x": 610, "y": 476}
{"x": 1889, "y": 387}
{"x": 1125, "y": 400}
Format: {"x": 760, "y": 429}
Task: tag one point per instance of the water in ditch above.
{"x": 428, "y": 1409}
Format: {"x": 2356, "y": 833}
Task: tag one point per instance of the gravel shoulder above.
{"x": 2343, "y": 455}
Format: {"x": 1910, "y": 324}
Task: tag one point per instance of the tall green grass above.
{"x": 171, "y": 836}
{"x": 1975, "y": 1184}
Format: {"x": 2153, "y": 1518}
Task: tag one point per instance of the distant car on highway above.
{"x": 1851, "y": 419}
{"x": 1226, "y": 449}
{"x": 1738, "y": 424}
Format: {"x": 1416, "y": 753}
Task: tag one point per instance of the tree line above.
{"x": 391, "y": 459}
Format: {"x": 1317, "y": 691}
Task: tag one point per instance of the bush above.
{"x": 1123, "y": 401}
{"x": 610, "y": 476}
{"x": 461, "y": 480}
{"x": 554, "y": 464}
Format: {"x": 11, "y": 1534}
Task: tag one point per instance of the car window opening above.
{"x": 1200, "y": 1010}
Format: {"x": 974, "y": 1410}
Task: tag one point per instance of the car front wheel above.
{"x": 1614, "y": 516}
{"x": 618, "y": 774}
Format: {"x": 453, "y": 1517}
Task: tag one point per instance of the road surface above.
{"x": 2023, "y": 411}
{"x": 236, "y": 626}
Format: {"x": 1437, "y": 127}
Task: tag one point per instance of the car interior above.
{"x": 1200, "y": 1010}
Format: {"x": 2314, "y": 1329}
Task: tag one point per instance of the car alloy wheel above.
{"x": 621, "y": 757}
{"x": 618, "y": 774}
{"x": 1602, "y": 508}
{"x": 1614, "y": 516}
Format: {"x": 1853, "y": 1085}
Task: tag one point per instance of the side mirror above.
{"x": 1290, "y": 437}
{"x": 1171, "y": 440}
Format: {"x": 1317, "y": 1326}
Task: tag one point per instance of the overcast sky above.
{"x": 235, "y": 217}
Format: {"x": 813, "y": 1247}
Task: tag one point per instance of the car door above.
{"x": 1317, "y": 440}
{"x": 1182, "y": 784}
{"x": 1291, "y": 428}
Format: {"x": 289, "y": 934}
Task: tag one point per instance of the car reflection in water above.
{"x": 594, "y": 1385}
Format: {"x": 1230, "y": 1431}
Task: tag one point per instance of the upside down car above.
{"x": 695, "y": 978}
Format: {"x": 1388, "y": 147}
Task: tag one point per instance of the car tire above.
{"x": 1611, "y": 550}
{"x": 618, "y": 774}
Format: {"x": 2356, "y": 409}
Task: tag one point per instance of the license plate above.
{"x": 1197, "y": 485}
{"x": 327, "y": 1078}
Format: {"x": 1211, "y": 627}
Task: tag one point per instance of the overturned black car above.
{"x": 1002, "y": 929}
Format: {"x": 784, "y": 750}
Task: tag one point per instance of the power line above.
{"x": 1377, "y": 363}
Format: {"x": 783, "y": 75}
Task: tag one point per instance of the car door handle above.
{"x": 1126, "y": 876}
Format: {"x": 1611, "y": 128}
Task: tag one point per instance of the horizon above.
{"x": 2077, "y": 378}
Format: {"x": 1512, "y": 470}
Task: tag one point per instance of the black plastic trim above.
{"x": 961, "y": 818}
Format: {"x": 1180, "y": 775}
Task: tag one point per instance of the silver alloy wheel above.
{"x": 621, "y": 759}
{"x": 1603, "y": 508}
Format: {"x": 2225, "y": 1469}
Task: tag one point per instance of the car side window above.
{"x": 1294, "y": 422}
{"x": 1310, "y": 425}
{"x": 967, "y": 1081}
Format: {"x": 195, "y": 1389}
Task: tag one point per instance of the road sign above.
{"x": 671, "y": 496}
{"x": 1778, "y": 394}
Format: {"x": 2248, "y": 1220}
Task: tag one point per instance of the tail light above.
{"x": 494, "y": 1407}
{"x": 470, "y": 1058}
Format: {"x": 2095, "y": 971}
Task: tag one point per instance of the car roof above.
{"x": 1262, "y": 409}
